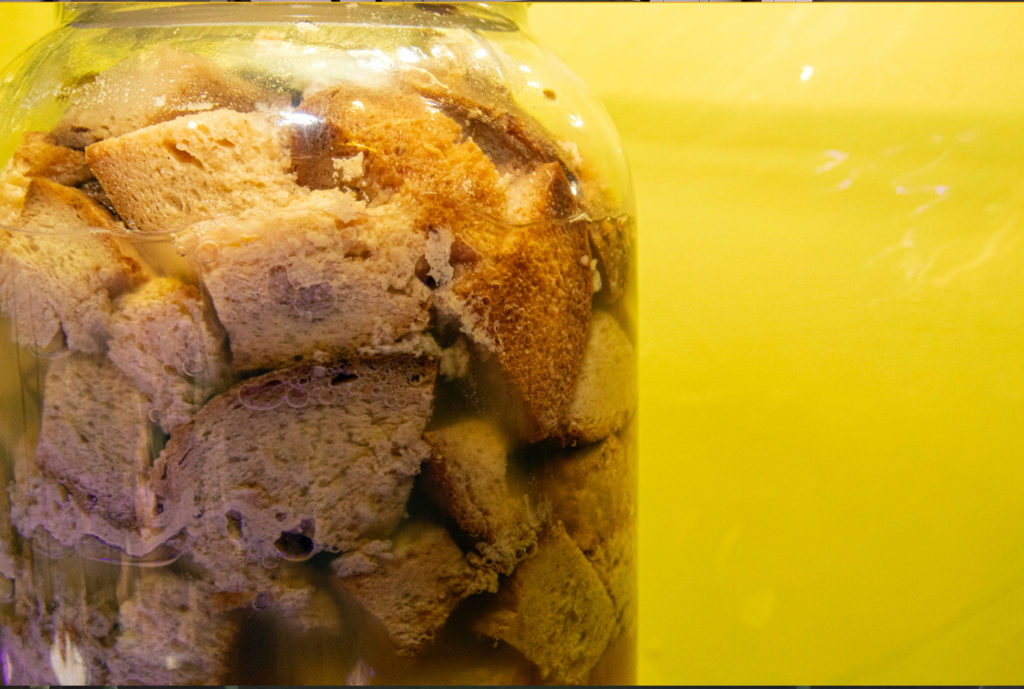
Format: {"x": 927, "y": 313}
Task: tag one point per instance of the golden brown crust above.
{"x": 39, "y": 156}
{"x": 407, "y": 147}
{"x": 528, "y": 304}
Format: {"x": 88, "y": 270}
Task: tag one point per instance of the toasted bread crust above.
{"x": 528, "y": 304}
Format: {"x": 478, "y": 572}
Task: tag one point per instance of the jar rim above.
{"x": 479, "y": 16}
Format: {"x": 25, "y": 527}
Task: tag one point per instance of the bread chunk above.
{"x": 60, "y": 276}
{"x": 50, "y": 641}
{"x": 154, "y": 86}
{"x": 605, "y": 394}
{"x": 62, "y": 622}
{"x": 528, "y": 304}
{"x": 521, "y": 283}
{"x": 92, "y": 462}
{"x": 324, "y": 276}
{"x": 303, "y": 459}
{"x": 614, "y": 246}
{"x": 407, "y": 147}
{"x": 37, "y": 156}
{"x": 489, "y": 115}
{"x": 165, "y": 339}
{"x": 554, "y": 610}
{"x": 466, "y": 476}
{"x": 413, "y": 588}
{"x": 167, "y": 176}
{"x": 592, "y": 491}
{"x": 170, "y": 634}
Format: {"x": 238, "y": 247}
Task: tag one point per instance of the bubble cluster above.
{"x": 312, "y": 301}
{"x": 303, "y": 386}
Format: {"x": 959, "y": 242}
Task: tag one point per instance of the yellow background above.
{"x": 832, "y": 331}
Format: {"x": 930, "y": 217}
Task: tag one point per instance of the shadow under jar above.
{"x": 318, "y": 353}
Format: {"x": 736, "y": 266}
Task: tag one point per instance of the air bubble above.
{"x": 262, "y": 396}
{"x": 207, "y": 252}
{"x": 262, "y": 601}
{"x": 326, "y": 396}
{"x": 193, "y": 366}
{"x": 313, "y": 301}
{"x": 154, "y": 415}
{"x": 295, "y": 547}
{"x": 297, "y": 397}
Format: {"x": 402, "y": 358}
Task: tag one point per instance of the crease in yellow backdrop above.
{"x": 832, "y": 331}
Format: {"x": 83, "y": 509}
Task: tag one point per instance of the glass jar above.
{"x": 318, "y": 352}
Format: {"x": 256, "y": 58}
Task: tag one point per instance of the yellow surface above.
{"x": 832, "y": 332}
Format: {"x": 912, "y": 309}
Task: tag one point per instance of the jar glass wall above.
{"x": 318, "y": 353}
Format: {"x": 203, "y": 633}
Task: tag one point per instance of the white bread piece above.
{"x": 170, "y": 634}
{"x": 154, "y": 86}
{"x": 593, "y": 492}
{"x": 414, "y": 587}
{"x": 605, "y": 395}
{"x": 92, "y": 463}
{"x": 324, "y": 276}
{"x": 165, "y": 339}
{"x": 61, "y": 275}
{"x": 303, "y": 459}
{"x": 466, "y": 477}
{"x": 167, "y": 176}
{"x": 527, "y": 303}
{"x": 554, "y": 610}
